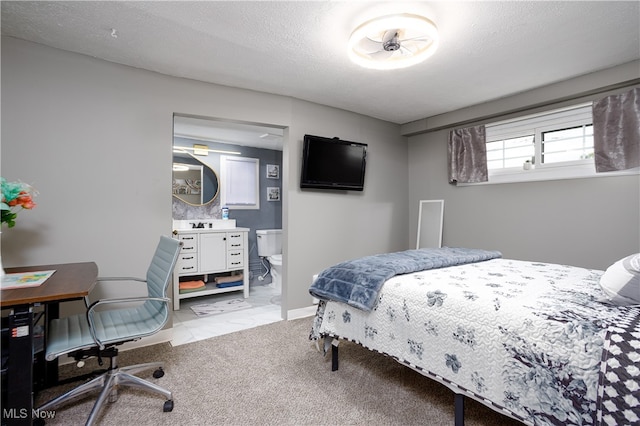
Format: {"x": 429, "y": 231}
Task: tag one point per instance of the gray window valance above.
{"x": 467, "y": 152}
{"x": 616, "y": 131}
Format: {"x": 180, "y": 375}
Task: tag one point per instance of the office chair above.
{"x": 98, "y": 333}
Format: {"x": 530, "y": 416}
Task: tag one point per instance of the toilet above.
{"x": 270, "y": 247}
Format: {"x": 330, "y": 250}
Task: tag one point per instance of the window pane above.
{"x": 495, "y": 164}
{"x": 515, "y": 162}
{"x": 516, "y": 142}
{"x": 495, "y": 155}
{"x": 571, "y": 144}
{"x": 525, "y": 151}
{"x": 491, "y": 146}
{"x": 566, "y": 145}
{"x": 510, "y": 152}
{"x": 239, "y": 182}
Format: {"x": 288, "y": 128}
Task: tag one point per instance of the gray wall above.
{"x": 95, "y": 139}
{"x": 585, "y": 222}
{"x": 331, "y": 226}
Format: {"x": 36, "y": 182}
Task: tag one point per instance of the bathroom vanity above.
{"x": 216, "y": 253}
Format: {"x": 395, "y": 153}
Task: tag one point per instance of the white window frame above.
{"x": 536, "y": 124}
{"x": 240, "y": 182}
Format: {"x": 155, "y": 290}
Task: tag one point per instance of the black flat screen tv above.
{"x": 333, "y": 164}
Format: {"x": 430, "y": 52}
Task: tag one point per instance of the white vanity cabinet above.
{"x": 207, "y": 254}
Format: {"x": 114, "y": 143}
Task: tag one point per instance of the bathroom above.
{"x": 252, "y": 154}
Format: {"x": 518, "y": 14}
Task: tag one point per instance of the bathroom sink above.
{"x": 203, "y": 224}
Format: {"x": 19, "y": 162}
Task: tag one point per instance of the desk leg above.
{"x": 20, "y": 368}
{"x": 51, "y": 311}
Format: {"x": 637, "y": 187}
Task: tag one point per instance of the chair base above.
{"x": 109, "y": 382}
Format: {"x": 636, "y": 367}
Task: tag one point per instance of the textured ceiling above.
{"x": 488, "y": 50}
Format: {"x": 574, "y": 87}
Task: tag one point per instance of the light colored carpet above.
{"x": 273, "y": 375}
{"x": 206, "y": 309}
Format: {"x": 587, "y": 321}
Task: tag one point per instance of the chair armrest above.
{"x": 94, "y": 305}
{"x": 87, "y": 299}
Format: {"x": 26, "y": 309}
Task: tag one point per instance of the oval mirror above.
{"x": 194, "y": 182}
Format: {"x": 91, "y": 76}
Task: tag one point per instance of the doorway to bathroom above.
{"x": 215, "y": 144}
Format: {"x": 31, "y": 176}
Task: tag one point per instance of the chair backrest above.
{"x": 159, "y": 276}
{"x": 161, "y": 268}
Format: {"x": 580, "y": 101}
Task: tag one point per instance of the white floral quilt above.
{"x": 524, "y": 338}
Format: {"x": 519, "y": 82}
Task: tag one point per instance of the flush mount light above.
{"x": 203, "y": 150}
{"x": 393, "y": 41}
{"x": 200, "y": 149}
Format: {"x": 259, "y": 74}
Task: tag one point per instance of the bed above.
{"x": 541, "y": 343}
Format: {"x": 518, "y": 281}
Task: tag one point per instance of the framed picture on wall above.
{"x": 273, "y": 193}
{"x": 273, "y": 171}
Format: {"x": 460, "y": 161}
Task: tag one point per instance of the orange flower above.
{"x": 15, "y": 194}
{"x": 26, "y": 201}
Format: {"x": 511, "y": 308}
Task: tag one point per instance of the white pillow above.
{"x": 621, "y": 281}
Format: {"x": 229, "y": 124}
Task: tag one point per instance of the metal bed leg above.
{"x": 459, "y": 409}
{"x": 334, "y": 356}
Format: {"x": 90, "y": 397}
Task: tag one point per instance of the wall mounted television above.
{"x": 332, "y": 163}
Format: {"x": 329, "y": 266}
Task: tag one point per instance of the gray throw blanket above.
{"x": 357, "y": 282}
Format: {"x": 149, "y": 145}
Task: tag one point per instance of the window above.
{"x": 240, "y": 186}
{"x": 552, "y": 145}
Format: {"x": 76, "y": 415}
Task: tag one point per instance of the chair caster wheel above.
{"x": 158, "y": 373}
{"x": 168, "y": 406}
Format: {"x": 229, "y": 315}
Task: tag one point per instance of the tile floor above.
{"x": 265, "y": 309}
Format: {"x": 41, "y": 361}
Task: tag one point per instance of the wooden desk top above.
{"x": 70, "y": 281}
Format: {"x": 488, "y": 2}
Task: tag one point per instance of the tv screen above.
{"x": 333, "y": 163}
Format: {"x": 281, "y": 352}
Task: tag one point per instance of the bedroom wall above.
{"x": 332, "y": 226}
{"x": 95, "y": 139}
{"x": 584, "y": 222}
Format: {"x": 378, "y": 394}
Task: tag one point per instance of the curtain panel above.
{"x": 616, "y": 131}
{"x": 467, "y": 152}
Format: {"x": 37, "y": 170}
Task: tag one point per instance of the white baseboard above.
{"x": 309, "y": 311}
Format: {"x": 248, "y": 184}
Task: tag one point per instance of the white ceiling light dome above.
{"x": 393, "y": 41}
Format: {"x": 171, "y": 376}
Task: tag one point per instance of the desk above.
{"x": 71, "y": 281}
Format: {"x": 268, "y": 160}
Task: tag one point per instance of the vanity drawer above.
{"x": 235, "y": 240}
{"x": 189, "y": 243}
{"x": 235, "y": 259}
{"x": 186, "y": 262}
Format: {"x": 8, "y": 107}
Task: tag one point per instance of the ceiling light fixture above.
{"x": 203, "y": 151}
{"x": 270, "y": 137}
{"x": 393, "y": 41}
{"x": 200, "y": 149}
